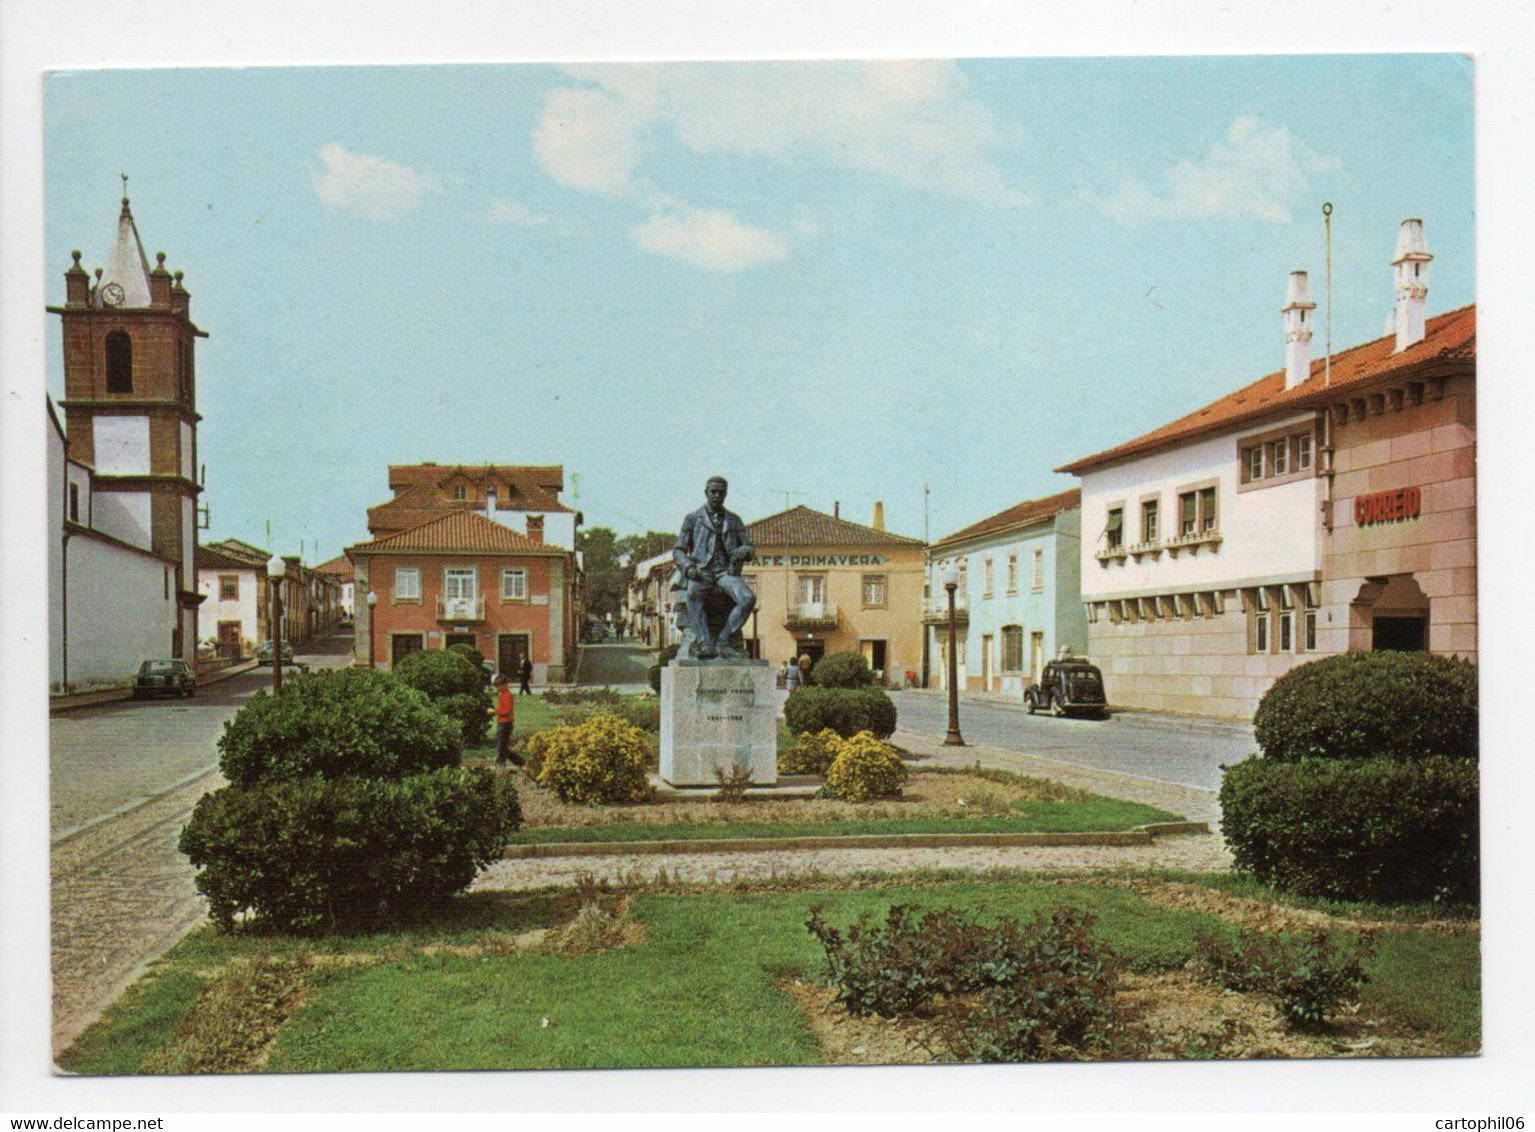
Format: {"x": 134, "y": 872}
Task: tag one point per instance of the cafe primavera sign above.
{"x": 821, "y": 560}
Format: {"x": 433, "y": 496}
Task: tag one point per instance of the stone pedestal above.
{"x": 718, "y": 713}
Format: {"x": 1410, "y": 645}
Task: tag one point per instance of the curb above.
{"x": 1168, "y": 720}
{"x": 1141, "y": 835}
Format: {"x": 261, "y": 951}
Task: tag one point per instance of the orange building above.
{"x": 463, "y": 578}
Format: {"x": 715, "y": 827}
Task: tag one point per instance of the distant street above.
{"x": 124, "y": 778}
{"x": 615, "y": 664}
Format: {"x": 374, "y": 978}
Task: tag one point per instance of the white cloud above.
{"x": 587, "y": 140}
{"x": 709, "y": 238}
{"x": 1255, "y": 173}
{"x": 912, "y": 122}
{"x": 514, "y": 212}
{"x": 372, "y": 188}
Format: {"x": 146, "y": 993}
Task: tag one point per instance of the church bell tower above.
{"x": 130, "y": 405}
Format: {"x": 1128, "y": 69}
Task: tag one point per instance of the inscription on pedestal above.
{"x": 718, "y": 715}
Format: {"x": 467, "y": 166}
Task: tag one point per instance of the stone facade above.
{"x": 718, "y": 715}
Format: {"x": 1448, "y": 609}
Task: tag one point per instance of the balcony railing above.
{"x": 461, "y": 609}
{"x": 936, "y": 611}
{"x": 811, "y": 615}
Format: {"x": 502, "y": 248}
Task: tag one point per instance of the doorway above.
{"x": 229, "y": 640}
{"x": 511, "y": 649}
{"x": 1399, "y": 634}
{"x": 460, "y": 639}
{"x": 874, "y": 653}
{"x": 402, "y": 645}
{"x": 815, "y": 650}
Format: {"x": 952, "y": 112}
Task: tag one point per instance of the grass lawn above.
{"x": 702, "y": 982}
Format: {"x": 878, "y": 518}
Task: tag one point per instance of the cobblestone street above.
{"x": 124, "y": 778}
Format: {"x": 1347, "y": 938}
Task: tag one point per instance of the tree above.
{"x": 609, "y": 562}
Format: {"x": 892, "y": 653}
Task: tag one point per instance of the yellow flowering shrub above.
{"x": 541, "y": 743}
{"x": 865, "y": 768}
{"x": 811, "y": 754}
{"x": 599, "y": 762}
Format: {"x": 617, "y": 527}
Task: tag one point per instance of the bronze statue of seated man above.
{"x": 710, "y": 551}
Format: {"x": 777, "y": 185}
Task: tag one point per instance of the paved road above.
{"x": 124, "y": 777}
{"x": 615, "y": 664}
{"x": 1166, "y": 751}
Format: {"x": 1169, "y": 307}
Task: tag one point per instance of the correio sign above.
{"x": 1388, "y": 506}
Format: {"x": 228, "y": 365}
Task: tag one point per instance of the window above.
{"x": 1308, "y": 631}
{"x": 1261, "y": 616}
{"x": 1114, "y": 533}
{"x": 1012, "y": 648}
{"x": 119, "y": 362}
{"x": 1287, "y": 630}
{"x": 1151, "y": 520}
{"x": 1303, "y": 453}
{"x": 812, "y": 589}
{"x": 514, "y": 584}
{"x": 1279, "y": 457}
{"x": 874, "y": 589}
{"x": 74, "y": 503}
{"x": 229, "y": 587}
{"x": 986, "y": 577}
{"x": 407, "y": 583}
{"x": 460, "y": 492}
{"x": 460, "y": 583}
{"x": 964, "y": 576}
{"x": 1188, "y": 521}
{"x": 1206, "y": 510}
{"x": 1037, "y": 582}
{"x": 1255, "y": 463}
{"x": 1012, "y": 573}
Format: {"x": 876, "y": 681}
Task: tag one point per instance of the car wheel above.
{"x": 1057, "y": 708}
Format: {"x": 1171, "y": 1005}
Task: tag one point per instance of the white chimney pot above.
{"x": 1410, "y": 264}
{"x": 1297, "y": 330}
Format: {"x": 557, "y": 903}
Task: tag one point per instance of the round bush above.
{"x": 336, "y": 722}
{"x": 599, "y": 762}
{"x": 865, "y": 768}
{"x": 316, "y": 855}
{"x": 473, "y": 655}
{"x": 811, "y": 754}
{"x": 1368, "y": 829}
{"x": 842, "y": 670}
{"x": 472, "y": 715}
{"x": 847, "y": 711}
{"x": 440, "y": 673}
{"x": 1362, "y": 705}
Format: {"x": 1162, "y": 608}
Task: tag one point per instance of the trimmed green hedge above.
{"x": 1364, "y": 705}
{"x": 314, "y": 855}
{"x": 842, "y": 670}
{"x": 1371, "y": 829}
{"x": 847, "y": 711}
{"x": 338, "y": 722}
{"x": 440, "y": 673}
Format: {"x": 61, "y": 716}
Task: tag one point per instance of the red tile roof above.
{"x": 800, "y": 526}
{"x": 458, "y": 532}
{"x": 424, "y": 491}
{"x": 212, "y": 557}
{"x": 340, "y": 566}
{"x": 1018, "y": 515}
{"x": 1448, "y": 337}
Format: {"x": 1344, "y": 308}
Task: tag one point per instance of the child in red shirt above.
{"x": 505, "y": 716}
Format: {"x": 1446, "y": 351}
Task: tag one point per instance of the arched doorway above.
{"x": 1390, "y": 614}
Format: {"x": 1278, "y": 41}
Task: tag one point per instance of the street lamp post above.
{"x": 372, "y": 640}
{"x": 275, "y": 569}
{"x": 953, "y": 738}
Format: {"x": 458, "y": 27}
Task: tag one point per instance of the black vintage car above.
{"x": 164, "y": 678}
{"x": 1068, "y": 687}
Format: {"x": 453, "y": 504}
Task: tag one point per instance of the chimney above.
{"x": 836, "y": 509}
{"x": 1411, "y": 263}
{"x": 536, "y": 528}
{"x": 879, "y": 515}
{"x": 490, "y": 503}
{"x": 1297, "y": 330}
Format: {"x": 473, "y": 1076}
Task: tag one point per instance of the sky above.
{"x": 830, "y": 282}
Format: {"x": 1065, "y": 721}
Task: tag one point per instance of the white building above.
{"x": 112, "y": 602}
{"x": 232, "y": 619}
{"x": 1018, "y": 602}
{"x": 1326, "y": 507}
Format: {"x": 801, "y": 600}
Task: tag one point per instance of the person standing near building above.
{"x": 792, "y": 675}
{"x": 524, "y": 674}
{"x": 506, "y": 714}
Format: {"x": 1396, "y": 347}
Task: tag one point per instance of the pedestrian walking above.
{"x": 506, "y": 714}
{"x": 524, "y": 674}
{"x": 791, "y": 675}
